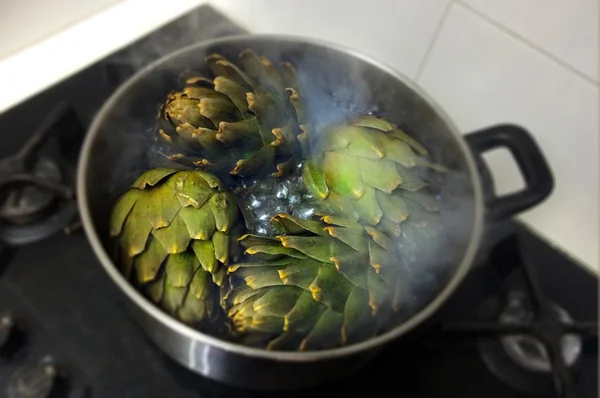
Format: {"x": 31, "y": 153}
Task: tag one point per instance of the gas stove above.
{"x": 523, "y": 323}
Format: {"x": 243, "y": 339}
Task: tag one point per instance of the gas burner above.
{"x": 30, "y": 203}
{"x": 531, "y": 344}
{"x": 36, "y": 199}
{"x": 527, "y": 351}
{"x": 522, "y": 360}
{"x": 35, "y": 380}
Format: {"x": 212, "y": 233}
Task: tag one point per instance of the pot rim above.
{"x": 199, "y": 337}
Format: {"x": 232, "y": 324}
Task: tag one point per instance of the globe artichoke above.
{"x": 244, "y": 121}
{"x": 323, "y": 284}
{"x": 174, "y": 233}
{"x": 348, "y": 275}
{"x": 370, "y": 171}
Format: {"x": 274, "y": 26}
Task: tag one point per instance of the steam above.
{"x": 332, "y": 99}
{"x": 337, "y": 91}
{"x": 335, "y": 88}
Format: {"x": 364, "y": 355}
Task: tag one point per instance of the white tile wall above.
{"x": 482, "y": 76}
{"x": 395, "y": 31}
{"x": 23, "y": 22}
{"x": 531, "y": 62}
{"x": 567, "y": 29}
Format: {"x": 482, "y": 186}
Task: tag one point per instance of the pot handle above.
{"x": 532, "y": 165}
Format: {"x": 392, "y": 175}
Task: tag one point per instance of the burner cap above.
{"x": 28, "y": 203}
{"x": 522, "y": 360}
{"x": 528, "y": 351}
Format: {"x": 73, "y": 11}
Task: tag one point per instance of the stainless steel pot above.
{"x": 338, "y": 81}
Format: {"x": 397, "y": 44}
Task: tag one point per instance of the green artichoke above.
{"x": 175, "y": 232}
{"x": 347, "y": 276}
{"x": 245, "y": 121}
{"x": 370, "y": 171}
{"x": 324, "y": 284}
{"x": 340, "y": 277}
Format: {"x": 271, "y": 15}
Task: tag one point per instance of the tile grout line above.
{"x": 528, "y": 43}
{"x": 434, "y": 37}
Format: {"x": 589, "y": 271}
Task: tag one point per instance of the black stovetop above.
{"x": 68, "y": 314}
{"x": 70, "y": 310}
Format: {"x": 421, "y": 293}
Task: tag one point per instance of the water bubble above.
{"x": 280, "y": 209}
{"x": 305, "y": 212}
{"x": 282, "y": 192}
{"x": 260, "y": 230}
{"x": 271, "y": 196}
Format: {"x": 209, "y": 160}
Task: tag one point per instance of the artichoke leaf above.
{"x": 352, "y": 265}
{"x": 389, "y": 227}
{"x": 359, "y": 323}
{"x": 199, "y": 222}
{"x": 257, "y": 162}
{"x": 148, "y": 263}
{"x": 317, "y": 247}
{"x": 221, "y": 246}
{"x": 289, "y": 75}
{"x": 296, "y": 226}
{"x": 372, "y": 122}
{"x": 298, "y": 104}
{"x": 325, "y": 333}
{"x": 196, "y": 305}
{"x": 381, "y": 175}
{"x": 299, "y": 273}
{"x": 314, "y": 179}
{"x": 135, "y": 232}
{"x": 368, "y": 207}
{"x": 286, "y": 168}
{"x": 121, "y": 210}
{"x": 224, "y": 211}
{"x": 158, "y": 205}
{"x": 219, "y": 66}
{"x": 152, "y": 177}
{"x": 277, "y": 301}
{"x": 219, "y": 110}
{"x": 235, "y": 92}
{"x": 401, "y": 135}
{"x": 257, "y": 278}
{"x": 270, "y": 110}
{"x": 380, "y": 238}
{"x": 399, "y": 152}
{"x": 355, "y": 238}
{"x": 175, "y": 237}
{"x": 393, "y": 206}
{"x": 244, "y": 132}
{"x": 330, "y": 288}
{"x": 342, "y": 174}
{"x": 205, "y": 253}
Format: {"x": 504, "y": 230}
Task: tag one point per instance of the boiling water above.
{"x": 269, "y": 196}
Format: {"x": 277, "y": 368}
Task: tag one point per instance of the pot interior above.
{"x": 336, "y": 83}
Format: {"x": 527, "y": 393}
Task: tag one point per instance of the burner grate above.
{"x": 545, "y": 326}
{"x": 36, "y": 194}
